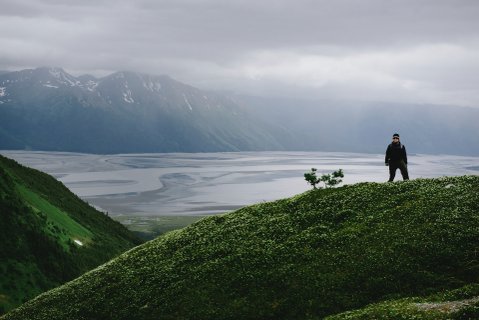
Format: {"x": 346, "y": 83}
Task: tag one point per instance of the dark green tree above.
{"x": 329, "y": 180}
{"x": 311, "y": 177}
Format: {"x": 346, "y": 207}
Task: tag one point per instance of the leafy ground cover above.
{"x": 315, "y": 255}
{"x": 60, "y": 224}
{"x": 48, "y": 235}
{"x": 458, "y": 304}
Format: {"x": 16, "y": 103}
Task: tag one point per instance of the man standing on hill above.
{"x": 396, "y": 158}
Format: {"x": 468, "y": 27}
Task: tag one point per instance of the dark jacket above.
{"x": 395, "y": 153}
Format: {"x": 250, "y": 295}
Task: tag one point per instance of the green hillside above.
{"x": 458, "y": 304}
{"x": 48, "y": 235}
{"x": 315, "y": 255}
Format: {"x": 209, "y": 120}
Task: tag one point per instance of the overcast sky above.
{"x": 423, "y": 51}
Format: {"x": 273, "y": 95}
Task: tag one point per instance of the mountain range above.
{"x": 49, "y": 109}
{"x": 126, "y": 112}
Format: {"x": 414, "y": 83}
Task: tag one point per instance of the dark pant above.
{"x": 401, "y": 165}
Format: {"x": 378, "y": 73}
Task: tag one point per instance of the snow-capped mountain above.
{"x": 49, "y": 109}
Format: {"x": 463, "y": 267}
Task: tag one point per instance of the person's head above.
{"x": 396, "y": 138}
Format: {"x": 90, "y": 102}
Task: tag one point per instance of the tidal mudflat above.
{"x": 180, "y": 184}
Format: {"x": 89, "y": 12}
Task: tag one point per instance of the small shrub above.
{"x": 329, "y": 180}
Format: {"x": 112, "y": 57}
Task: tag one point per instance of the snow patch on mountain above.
{"x": 152, "y": 86}
{"x": 63, "y": 78}
{"x": 187, "y": 102}
{"x": 3, "y": 91}
{"x": 127, "y": 94}
{"x": 127, "y": 97}
{"x": 50, "y": 86}
{"x": 91, "y": 85}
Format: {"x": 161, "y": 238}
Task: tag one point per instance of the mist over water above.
{"x": 212, "y": 183}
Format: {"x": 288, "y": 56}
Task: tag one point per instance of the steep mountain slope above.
{"x": 317, "y": 254}
{"x": 48, "y": 235}
{"x": 48, "y": 109}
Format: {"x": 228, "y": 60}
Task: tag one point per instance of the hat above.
{"x": 396, "y": 135}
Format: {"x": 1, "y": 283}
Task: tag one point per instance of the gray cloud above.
{"x": 398, "y": 50}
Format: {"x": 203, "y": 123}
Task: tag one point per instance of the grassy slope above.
{"x": 57, "y": 219}
{"x": 317, "y": 254}
{"x": 40, "y": 219}
{"x": 458, "y": 304}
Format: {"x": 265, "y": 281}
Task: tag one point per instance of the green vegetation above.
{"x": 329, "y": 180}
{"x": 459, "y": 304}
{"x": 60, "y": 224}
{"x": 48, "y": 235}
{"x": 316, "y": 255}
